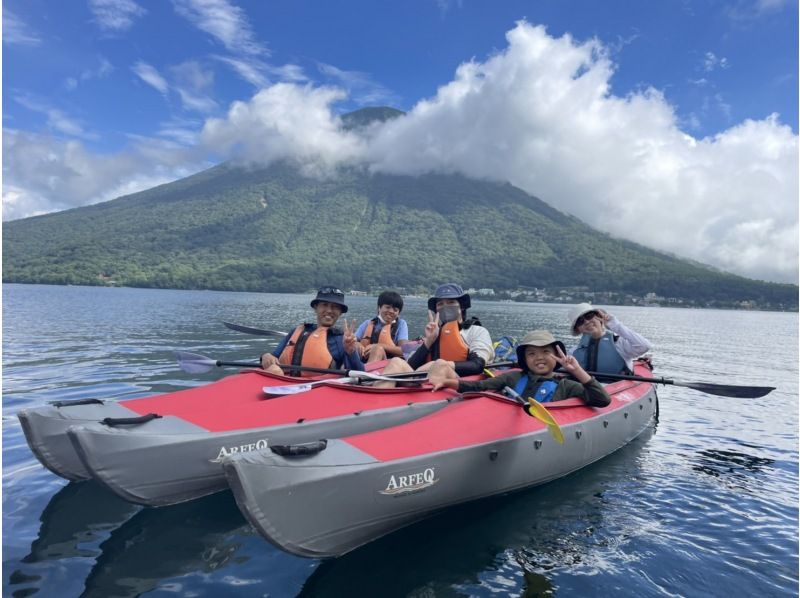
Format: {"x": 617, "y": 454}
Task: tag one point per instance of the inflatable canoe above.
{"x": 45, "y": 427}
{"x": 347, "y": 491}
{"x": 168, "y": 448}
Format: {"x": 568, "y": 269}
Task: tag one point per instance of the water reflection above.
{"x": 488, "y": 546}
{"x": 736, "y": 469}
{"x": 79, "y": 513}
{"x": 158, "y": 544}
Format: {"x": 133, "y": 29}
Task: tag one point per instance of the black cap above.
{"x": 331, "y": 295}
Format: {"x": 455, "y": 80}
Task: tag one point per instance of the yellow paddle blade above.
{"x": 537, "y": 410}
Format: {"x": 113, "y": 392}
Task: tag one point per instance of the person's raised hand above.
{"x": 350, "y": 340}
{"x": 431, "y": 329}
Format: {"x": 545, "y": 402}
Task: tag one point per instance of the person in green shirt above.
{"x": 538, "y": 355}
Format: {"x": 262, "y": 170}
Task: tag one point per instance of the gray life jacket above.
{"x": 601, "y": 355}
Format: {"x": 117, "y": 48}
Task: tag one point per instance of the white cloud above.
{"x": 193, "y": 83}
{"x": 150, "y": 75}
{"x": 712, "y": 62}
{"x": 539, "y": 114}
{"x": 223, "y": 21}
{"x": 360, "y": 87}
{"x": 115, "y": 15}
{"x": 57, "y": 119}
{"x": 284, "y": 121}
{"x": 16, "y": 31}
{"x": 51, "y": 174}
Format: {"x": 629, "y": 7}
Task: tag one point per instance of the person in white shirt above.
{"x": 453, "y": 343}
{"x": 606, "y": 345}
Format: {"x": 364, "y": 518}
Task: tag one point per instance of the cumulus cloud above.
{"x": 285, "y": 121}
{"x": 541, "y": 115}
{"x": 51, "y": 174}
{"x": 115, "y": 15}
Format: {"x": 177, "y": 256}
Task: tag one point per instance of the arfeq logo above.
{"x": 409, "y": 483}
{"x": 242, "y": 448}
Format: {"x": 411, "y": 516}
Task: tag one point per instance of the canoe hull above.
{"x": 45, "y": 430}
{"x": 168, "y": 460}
{"x": 330, "y": 503}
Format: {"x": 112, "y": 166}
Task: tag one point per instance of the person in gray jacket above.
{"x": 606, "y": 345}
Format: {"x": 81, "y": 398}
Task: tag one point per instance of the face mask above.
{"x": 449, "y": 313}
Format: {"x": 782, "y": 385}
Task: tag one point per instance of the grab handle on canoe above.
{"x": 128, "y": 421}
{"x": 73, "y": 402}
{"x": 298, "y": 450}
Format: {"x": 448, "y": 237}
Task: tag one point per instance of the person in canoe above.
{"x": 452, "y": 342}
{"x": 538, "y": 355}
{"x": 606, "y": 345}
{"x": 384, "y": 335}
{"x": 319, "y": 345}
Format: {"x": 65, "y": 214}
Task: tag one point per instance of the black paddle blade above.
{"x": 728, "y": 390}
{"x": 250, "y": 330}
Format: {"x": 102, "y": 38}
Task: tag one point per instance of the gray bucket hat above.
{"x": 450, "y": 291}
{"x": 536, "y": 338}
{"x": 331, "y": 295}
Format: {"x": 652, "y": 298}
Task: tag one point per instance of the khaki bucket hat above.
{"x": 537, "y": 338}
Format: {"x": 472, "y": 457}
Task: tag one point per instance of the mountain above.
{"x": 272, "y": 229}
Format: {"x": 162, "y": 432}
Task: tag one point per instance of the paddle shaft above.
{"x": 722, "y": 390}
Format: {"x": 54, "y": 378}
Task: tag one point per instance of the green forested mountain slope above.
{"x": 272, "y": 229}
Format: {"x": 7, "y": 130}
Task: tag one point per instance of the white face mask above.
{"x": 449, "y": 313}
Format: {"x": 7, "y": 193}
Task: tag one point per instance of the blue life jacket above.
{"x": 605, "y": 360}
{"x": 544, "y": 391}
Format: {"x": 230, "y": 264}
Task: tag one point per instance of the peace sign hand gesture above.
{"x": 431, "y": 329}
{"x": 350, "y": 340}
{"x": 571, "y": 365}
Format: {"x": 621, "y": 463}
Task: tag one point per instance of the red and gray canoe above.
{"x": 167, "y": 448}
{"x": 45, "y": 426}
{"x": 325, "y": 498}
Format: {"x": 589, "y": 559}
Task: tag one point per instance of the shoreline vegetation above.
{"x": 564, "y": 296}
{"x": 273, "y": 229}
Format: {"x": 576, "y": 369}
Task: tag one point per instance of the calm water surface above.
{"x": 704, "y": 503}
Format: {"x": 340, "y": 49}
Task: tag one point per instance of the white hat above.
{"x": 576, "y": 312}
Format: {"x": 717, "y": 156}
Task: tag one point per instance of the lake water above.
{"x": 704, "y": 503}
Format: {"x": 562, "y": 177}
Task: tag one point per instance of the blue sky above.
{"x": 673, "y": 123}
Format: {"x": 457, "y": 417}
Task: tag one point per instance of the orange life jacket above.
{"x": 450, "y": 345}
{"x": 309, "y": 348}
{"x": 384, "y": 337}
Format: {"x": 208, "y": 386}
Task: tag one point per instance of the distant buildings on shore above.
{"x": 583, "y": 294}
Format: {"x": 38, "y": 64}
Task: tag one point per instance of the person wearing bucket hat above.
{"x": 539, "y": 353}
{"x": 606, "y": 345}
{"x": 452, "y": 344}
{"x": 451, "y": 339}
{"x": 319, "y": 345}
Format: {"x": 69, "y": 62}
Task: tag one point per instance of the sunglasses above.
{"x": 585, "y": 318}
{"x": 330, "y": 291}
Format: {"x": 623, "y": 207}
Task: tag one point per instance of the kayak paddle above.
{"x": 352, "y": 376}
{"x": 194, "y": 363}
{"x": 250, "y": 330}
{"x": 722, "y": 390}
{"x": 534, "y": 409}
